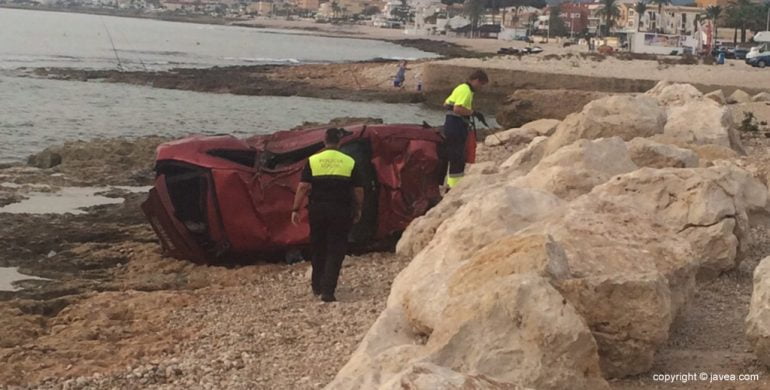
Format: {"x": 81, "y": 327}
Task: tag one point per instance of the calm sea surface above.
{"x": 36, "y": 113}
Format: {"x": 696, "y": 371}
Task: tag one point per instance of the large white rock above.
{"x": 758, "y": 320}
{"x": 624, "y": 116}
{"x": 702, "y": 122}
{"x": 675, "y": 94}
{"x": 497, "y": 332}
{"x": 577, "y": 168}
{"x": 501, "y": 330}
{"x": 707, "y": 207}
{"x": 629, "y": 275}
{"x": 645, "y": 152}
{"x": 490, "y": 214}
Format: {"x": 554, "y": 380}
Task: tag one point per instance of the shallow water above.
{"x": 37, "y": 113}
{"x": 70, "y": 200}
{"x": 8, "y": 275}
{"x": 41, "y": 39}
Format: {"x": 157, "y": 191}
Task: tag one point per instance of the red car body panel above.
{"x": 218, "y": 198}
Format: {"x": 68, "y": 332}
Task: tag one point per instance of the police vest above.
{"x": 331, "y": 163}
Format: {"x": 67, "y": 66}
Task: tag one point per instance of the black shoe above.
{"x": 328, "y": 298}
{"x": 316, "y": 291}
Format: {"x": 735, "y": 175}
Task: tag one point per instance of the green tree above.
{"x": 371, "y": 10}
{"x": 609, "y": 12}
{"x": 473, "y": 9}
{"x": 640, "y": 8}
{"x": 741, "y": 15}
{"x": 556, "y": 25}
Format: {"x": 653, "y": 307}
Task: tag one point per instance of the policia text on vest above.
{"x": 459, "y": 106}
{"x": 336, "y": 194}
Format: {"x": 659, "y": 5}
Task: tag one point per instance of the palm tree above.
{"x": 740, "y": 13}
{"x": 714, "y": 12}
{"x": 640, "y": 8}
{"x": 660, "y": 4}
{"x": 610, "y": 12}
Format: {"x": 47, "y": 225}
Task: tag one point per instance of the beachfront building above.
{"x": 707, "y": 3}
{"x": 430, "y": 18}
{"x": 575, "y": 16}
{"x": 307, "y": 5}
{"x": 674, "y": 20}
{"x": 259, "y": 8}
{"x": 518, "y": 17}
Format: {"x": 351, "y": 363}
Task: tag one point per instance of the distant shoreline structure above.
{"x": 442, "y": 48}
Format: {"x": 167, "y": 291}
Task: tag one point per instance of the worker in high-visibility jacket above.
{"x": 336, "y": 195}
{"x": 459, "y": 106}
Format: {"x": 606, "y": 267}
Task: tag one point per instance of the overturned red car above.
{"x": 221, "y": 199}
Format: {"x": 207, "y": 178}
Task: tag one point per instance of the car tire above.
{"x": 761, "y": 64}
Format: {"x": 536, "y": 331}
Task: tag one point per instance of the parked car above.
{"x": 739, "y": 53}
{"x": 759, "y": 61}
{"x": 220, "y": 198}
{"x": 731, "y": 52}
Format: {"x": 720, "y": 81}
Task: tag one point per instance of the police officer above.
{"x": 459, "y": 106}
{"x": 336, "y": 196}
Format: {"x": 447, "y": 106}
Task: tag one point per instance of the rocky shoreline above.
{"x": 117, "y": 314}
{"x": 324, "y": 81}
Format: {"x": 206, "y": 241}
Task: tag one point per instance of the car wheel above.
{"x": 761, "y": 64}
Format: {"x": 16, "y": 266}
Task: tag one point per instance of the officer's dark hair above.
{"x": 333, "y": 136}
{"x": 479, "y": 75}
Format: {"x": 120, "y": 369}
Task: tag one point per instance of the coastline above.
{"x": 446, "y": 47}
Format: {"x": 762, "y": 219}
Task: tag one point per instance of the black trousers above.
{"x": 330, "y": 225}
{"x": 456, "y": 134}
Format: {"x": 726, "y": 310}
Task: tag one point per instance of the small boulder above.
{"x": 527, "y": 158}
{"x": 761, "y": 97}
{"x": 717, "y": 96}
{"x": 675, "y": 94}
{"x": 739, "y": 97}
{"x": 647, "y": 153}
{"x": 758, "y": 320}
{"x": 543, "y": 127}
{"x": 512, "y": 136}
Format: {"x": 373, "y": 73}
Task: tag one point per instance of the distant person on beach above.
{"x": 459, "y": 106}
{"x": 336, "y": 195}
{"x": 398, "y": 81}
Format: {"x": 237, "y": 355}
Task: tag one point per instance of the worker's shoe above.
{"x": 316, "y": 291}
{"x": 328, "y": 298}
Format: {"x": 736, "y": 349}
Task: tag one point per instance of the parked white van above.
{"x": 762, "y": 38}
